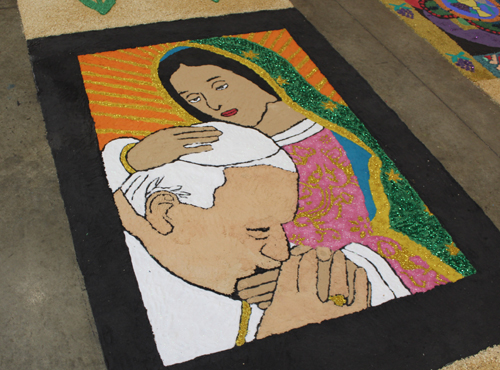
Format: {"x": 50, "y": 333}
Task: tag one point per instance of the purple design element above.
{"x": 405, "y": 13}
{"x": 486, "y": 6}
{"x": 461, "y": 6}
{"x": 478, "y": 36}
{"x": 465, "y": 64}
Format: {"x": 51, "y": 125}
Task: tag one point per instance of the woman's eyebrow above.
{"x": 212, "y": 78}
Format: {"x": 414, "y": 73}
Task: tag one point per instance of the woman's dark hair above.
{"x": 194, "y": 57}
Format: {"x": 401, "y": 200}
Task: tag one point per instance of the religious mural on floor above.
{"x": 253, "y": 200}
{"x": 471, "y": 38}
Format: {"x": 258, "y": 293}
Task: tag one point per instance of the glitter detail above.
{"x": 116, "y": 78}
{"x": 122, "y": 132}
{"x": 332, "y": 213}
{"x": 400, "y": 212}
{"x": 329, "y": 105}
{"x": 129, "y": 106}
{"x": 363, "y": 226}
{"x": 320, "y": 84}
{"x": 452, "y": 248}
{"x": 107, "y": 68}
{"x": 246, "y": 311}
{"x": 285, "y": 45}
{"x": 296, "y": 239}
{"x": 295, "y": 53}
{"x": 123, "y": 96}
{"x": 121, "y": 86}
{"x": 123, "y": 158}
{"x": 277, "y": 39}
{"x": 303, "y": 62}
{"x": 161, "y": 121}
{"x": 338, "y": 300}
{"x": 264, "y": 39}
{"x": 312, "y": 73}
{"x": 281, "y": 81}
{"x": 250, "y": 54}
{"x": 392, "y": 176}
{"x": 140, "y": 65}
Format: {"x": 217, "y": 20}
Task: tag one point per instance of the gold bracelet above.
{"x": 123, "y": 158}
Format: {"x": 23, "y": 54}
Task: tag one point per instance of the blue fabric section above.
{"x": 359, "y": 160}
{"x": 174, "y": 50}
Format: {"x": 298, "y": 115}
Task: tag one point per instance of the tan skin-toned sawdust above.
{"x": 489, "y": 359}
{"x": 492, "y": 88}
{"x": 54, "y": 17}
{"x": 41, "y": 19}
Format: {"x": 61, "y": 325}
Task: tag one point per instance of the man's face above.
{"x": 240, "y": 233}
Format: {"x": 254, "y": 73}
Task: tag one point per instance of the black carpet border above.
{"x": 424, "y": 331}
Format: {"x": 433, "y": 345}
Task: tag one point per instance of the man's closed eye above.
{"x": 261, "y": 233}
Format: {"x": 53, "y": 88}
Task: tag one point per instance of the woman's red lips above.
{"x": 229, "y": 113}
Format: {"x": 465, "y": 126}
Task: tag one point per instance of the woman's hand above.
{"x": 167, "y": 145}
{"x": 296, "y": 302}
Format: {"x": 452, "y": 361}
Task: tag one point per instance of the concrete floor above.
{"x": 45, "y": 318}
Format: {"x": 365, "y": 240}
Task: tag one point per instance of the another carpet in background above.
{"x": 465, "y": 32}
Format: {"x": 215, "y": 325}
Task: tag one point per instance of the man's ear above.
{"x": 158, "y": 211}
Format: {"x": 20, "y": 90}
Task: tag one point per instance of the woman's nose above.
{"x": 277, "y": 246}
{"x": 212, "y": 102}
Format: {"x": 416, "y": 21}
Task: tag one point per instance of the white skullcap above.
{"x": 195, "y": 177}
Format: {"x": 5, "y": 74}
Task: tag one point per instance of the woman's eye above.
{"x": 194, "y": 100}
{"x": 221, "y": 87}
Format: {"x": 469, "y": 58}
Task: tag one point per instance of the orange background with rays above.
{"x": 125, "y": 101}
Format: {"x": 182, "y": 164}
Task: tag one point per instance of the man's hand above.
{"x": 167, "y": 145}
{"x": 258, "y": 288}
{"x": 297, "y": 298}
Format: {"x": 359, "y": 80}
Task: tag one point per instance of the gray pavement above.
{"x": 45, "y": 318}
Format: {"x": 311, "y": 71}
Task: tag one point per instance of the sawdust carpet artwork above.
{"x": 232, "y": 188}
{"x": 465, "y": 32}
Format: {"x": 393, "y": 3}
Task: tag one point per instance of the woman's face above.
{"x": 222, "y": 94}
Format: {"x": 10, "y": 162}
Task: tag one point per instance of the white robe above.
{"x": 188, "y": 321}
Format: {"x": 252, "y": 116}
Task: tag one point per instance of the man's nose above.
{"x": 277, "y": 246}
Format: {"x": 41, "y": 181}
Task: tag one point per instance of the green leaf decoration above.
{"x": 102, "y": 6}
{"x": 401, "y": 6}
{"x": 454, "y": 58}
